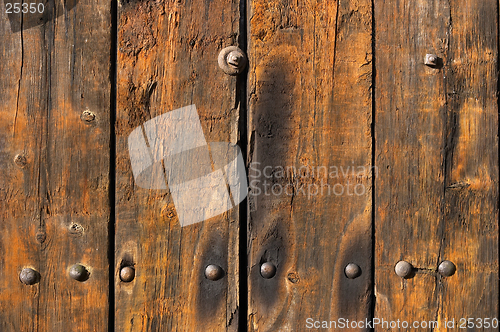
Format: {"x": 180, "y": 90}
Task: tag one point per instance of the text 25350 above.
{"x": 25, "y": 8}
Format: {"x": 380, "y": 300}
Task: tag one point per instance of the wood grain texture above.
{"x": 309, "y": 157}
{"x": 471, "y": 194}
{"x": 310, "y": 106}
{"x": 437, "y": 150}
{"x": 54, "y": 202}
{"x": 167, "y": 59}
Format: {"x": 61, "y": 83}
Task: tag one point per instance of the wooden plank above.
{"x": 471, "y": 195}
{"x": 437, "y": 191}
{"x": 167, "y": 59}
{"x": 54, "y": 201}
{"x": 310, "y": 106}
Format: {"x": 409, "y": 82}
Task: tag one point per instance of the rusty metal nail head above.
{"x": 79, "y": 272}
{"x": 268, "y": 270}
{"x": 352, "y": 271}
{"x": 87, "y": 116}
{"x": 293, "y": 277}
{"x": 431, "y": 60}
{"x": 28, "y": 276}
{"x": 127, "y": 274}
{"x": 214, "y": 272}
{"x": 232, "y": 60}
{"x": 20, "y": 161}
{"x": 41, "y": 236}
{"x": 447, "y": 269}
{"x": 403, "y": 269}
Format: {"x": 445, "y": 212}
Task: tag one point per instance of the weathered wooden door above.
{"x": 368, "y": 132}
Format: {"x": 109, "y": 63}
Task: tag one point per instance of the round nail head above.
{"x": 87, "y": 116}
{"x": 127, "y": 274}
{"x": 28, "y": 276}
{"x": 20, "y": 161}
{"x": 78, "y": 272}
{"x": 403, "y": 269}
{"x": 447, "y": 269}
{"x": 352, "y": 271}
{"x": 268, "y": 270}
{"x": 214, "y": 272}
{"x": 232, "y": 60}
{"x": 293, "y": 277}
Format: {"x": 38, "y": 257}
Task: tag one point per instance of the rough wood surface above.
{"x": 437, "y": 150}
{"x": 167, "y": 59}
{"x": 54, "y": 201}
{"x": 310, "y": 106}
{"x": 311, "y": 144}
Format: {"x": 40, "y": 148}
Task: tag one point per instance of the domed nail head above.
{"x": 127, "y": 274}
{"x": 79, "y": 272}
{"x": 214, "y": 272}
{"x": 447, "y": 269}
{"x": 403, "y": 269}
{"x": 352, "y": 271}
{"x": 29, "y": 276}
{"x": 267, "y": 270}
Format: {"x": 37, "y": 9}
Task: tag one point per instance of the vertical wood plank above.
{"x": 167, "y": 59}
{"x": 54, "y": 197}
{"x": 436, "y": 147}
{"x": 409, "y": 134}
{"x": 471, "y": 164}
{"x": 310, "y": 110}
